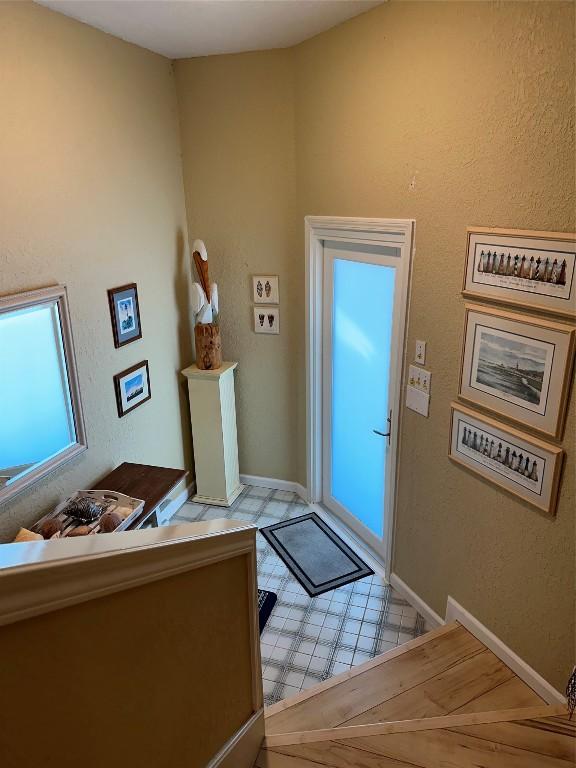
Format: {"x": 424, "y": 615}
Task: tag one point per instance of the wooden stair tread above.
{"x": 512, "y": 693}
{"x": 538, "y": 714}
{"x": 449, "y": 671}
{"x": 366, "y": 689}
{"x": 333, "y": 754}
{"x": 453, "y": 689}
{"x": 460, "y": 707}
{"x": 553, "y": 736}
{"x": 540, "y": 743}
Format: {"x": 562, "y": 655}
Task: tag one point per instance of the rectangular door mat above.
{"x": 316, "y": 556}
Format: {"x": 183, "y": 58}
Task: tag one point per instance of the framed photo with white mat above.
{"x": 518, "y": 366}
{"x": 267, "y": 320}
{"x": 519, "y": 463}
{"x": 535, "y": 270}
{"x": 265, "y": 289}
{"x": 132, "y": 387}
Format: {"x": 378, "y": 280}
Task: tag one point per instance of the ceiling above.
{"x": 184, "y": 28}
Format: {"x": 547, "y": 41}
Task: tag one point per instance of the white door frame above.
{"x": 391, "y": 232}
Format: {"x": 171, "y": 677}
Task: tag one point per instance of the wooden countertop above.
{"x": 142, "y": 481}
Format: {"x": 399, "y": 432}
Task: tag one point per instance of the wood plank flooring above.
{"x": 430, "y": 749}
{"x": 448, "y": 672}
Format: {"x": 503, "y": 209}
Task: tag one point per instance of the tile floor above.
{"x": 307, "y": 640}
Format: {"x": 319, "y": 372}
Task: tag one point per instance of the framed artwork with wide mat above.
{"x": 132, "y": 387}
{"x": 519, "y": 463}
{"x": 536, "y": 270}
{"x": 315, "y": 555}
{"x": 125, "y": 314}
{"x": 518, "y": 366}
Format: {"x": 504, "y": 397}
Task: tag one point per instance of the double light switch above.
{"x": 419, "y": 383}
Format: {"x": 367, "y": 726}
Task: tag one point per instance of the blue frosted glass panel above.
{"x": 37, "y": 420}
{"x": 362, "y": 332}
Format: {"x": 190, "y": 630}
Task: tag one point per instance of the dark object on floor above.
{"x": 571, "y": 693}
{"x": 317, "y": 557}
{"x": 266, "y": 601}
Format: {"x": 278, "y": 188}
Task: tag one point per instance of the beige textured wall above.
{"x": 237, "y": 122}
{"x": 454, "y": 114}
{"x": 137, "y": 678}
{"x": 91, "y": 196}
{"x": 475, "y": 103}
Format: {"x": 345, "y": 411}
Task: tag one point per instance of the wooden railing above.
{"x": 131, "y": 649}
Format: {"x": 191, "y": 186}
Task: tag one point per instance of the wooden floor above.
{"x": 440, "y": 701}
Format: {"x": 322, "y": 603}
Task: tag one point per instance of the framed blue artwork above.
{"x": 125, "y": 314}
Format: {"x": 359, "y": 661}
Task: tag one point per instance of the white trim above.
{"x": 237, "y": 748}
{"x": 126, "y": 560}
{"x": 199, "y": 498}
{"x": 455, "y": 612}
{"x": 163, "y": 514}
{"x": 274, "y": 484}
{"x": 398, "y": 233}
{"x": 58, "y": 295}
{"x": 432, "y": 618}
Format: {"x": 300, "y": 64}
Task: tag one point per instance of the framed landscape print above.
{"x": 535, "y": 270}
{"x": 517, "y": 366}
{"x": 519, "y": 463}
{"x": 132, "y": 387}
{"x": 125, "y": 314}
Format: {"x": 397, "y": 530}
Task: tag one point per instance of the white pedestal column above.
{"x": 213, "y": 414}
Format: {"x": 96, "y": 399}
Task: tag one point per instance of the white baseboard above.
{"x": 274, "y": 484}
{"x": 432, "y": 618}
{"x": 242, "y": 749}
{"x": 455, "y": 612}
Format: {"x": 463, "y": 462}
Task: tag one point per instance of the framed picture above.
{"x": 518, "y": 366}
{"x": 266, "y": 319}
{"x": 125, "y": 314}
{"x": 535, "y": 270}
{"x": 265, "y": 289}
{"x": 132, "y": 387}
{"x": 522, "y": 465}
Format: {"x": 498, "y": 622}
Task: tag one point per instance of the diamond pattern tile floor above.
{"x": 307, "y": 640}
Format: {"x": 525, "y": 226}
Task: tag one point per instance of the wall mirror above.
{"x": 41, "y": 423}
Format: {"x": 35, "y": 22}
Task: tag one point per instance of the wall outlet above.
{"x": 419, "y": 379}
{"x": 420, "y": 356}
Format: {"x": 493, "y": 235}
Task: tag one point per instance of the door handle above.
{"x": 385, "y": 434}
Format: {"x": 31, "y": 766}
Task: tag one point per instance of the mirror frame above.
{"x": 57, "y": 294}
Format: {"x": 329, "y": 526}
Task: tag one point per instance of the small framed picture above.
{"x": 132, "y": 387}
{"x": 266, "y": 319}
{"x": 519, "y": 463}
{"x": 518, "y": 366}
{"x": 125, "y": 314}
{"x": 265, "y": 289}
{"x": 536, "y": 270}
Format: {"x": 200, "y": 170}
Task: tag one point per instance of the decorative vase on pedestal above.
{"x": 208, "y": 346}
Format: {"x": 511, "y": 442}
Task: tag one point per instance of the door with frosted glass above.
{"x": 360, "y": 369}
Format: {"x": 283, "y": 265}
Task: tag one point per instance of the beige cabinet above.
{"x": 213, "y": 415}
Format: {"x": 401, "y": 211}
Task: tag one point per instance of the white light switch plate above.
{"x": 417, "y": 400}
{"x": 420, "y": 356}
{"x": 419, "y": 378}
